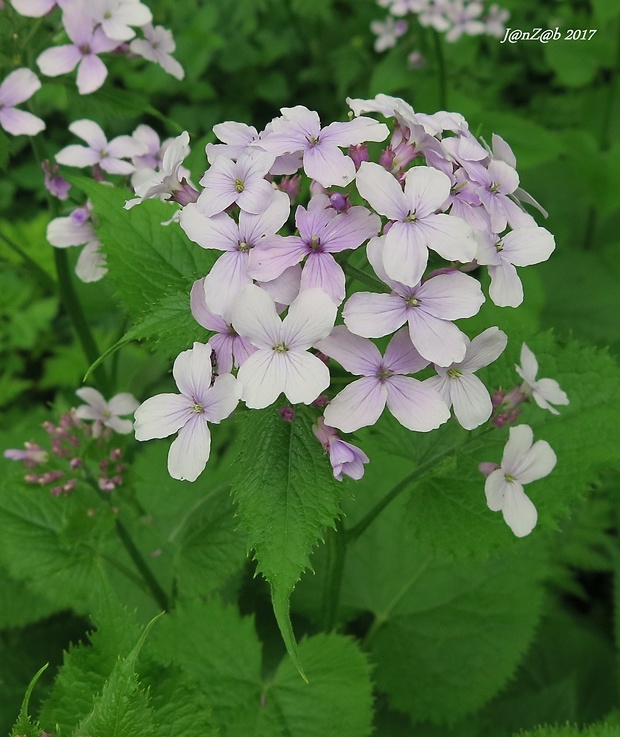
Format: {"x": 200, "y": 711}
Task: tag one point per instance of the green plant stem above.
{"x": 45, "y": 279}
{"x": 336, "y": 554}
{"x": 441, "y": 70}
{"x": 367, "y": 279}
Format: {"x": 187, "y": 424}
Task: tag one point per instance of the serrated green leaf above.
{"x": 24, "y": 726}
{"x": 220, "y": 650}
{"x": 593, "y": 730}
{"x": 20, "y": 605}
{"x": 122, "y": 709}
{"x": 286, "y": 496}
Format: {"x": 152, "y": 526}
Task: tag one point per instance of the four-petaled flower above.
{"x": 544, "y": 391}
{"x": 18, "y": 87}
{"x": 346, "y": 459}
{"x": 108, "y": 414}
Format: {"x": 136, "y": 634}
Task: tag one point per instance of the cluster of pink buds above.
{"x": 111, "y": 471}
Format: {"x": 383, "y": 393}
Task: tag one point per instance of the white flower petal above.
{"x": 382, "y": 191}
{"x": 123, "y": 404}
{"x": 306, "y": 377}
{"x": 520, "y": 440}
{"x": 222, "y": 398}
{"x": 254, "y": 317}
{"x": 310, "y": 318}
{"x": 358, "y": 405}
{"x": 537, "y": 463}
{"x": 471, "y": 401}
{"x": 374, "y": 315}
{"x": 192, "y": 371}
{"x": 357, "y": 355}
{"x": 162, "y": 415}
{"x": 415, "y": 404}
{"x": 484, "y": 349}
{"x": 262, "y": 376}
{"x": 519, "y": 512}
{"x": 189, "y": 453}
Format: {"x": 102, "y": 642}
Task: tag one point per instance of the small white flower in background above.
{"x": 76, "y": 230}
{"x": 387, "y": 32}
{"x": 523, "y": 462}
{"x": 116, "y": 17}
{"x": 544, "y": 391}
{"x": 18, "y": 87}
{"x": 104, "y": 413}
{"x": 157, "y": 46}
{"x": 188, "y": 412}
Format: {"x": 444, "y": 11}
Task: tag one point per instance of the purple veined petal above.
{"x": 426, "y": 190}
{"x": 450, "y": 237}
{"x": 226, "y": 280}
{"x": 313, "y": 221}
{"x": 450, "y": 296}
{"x": 253, "y": 165}
{"x": 529, "y": 365}
{"x": 92, "y": 397}
{"x": 125, "y": 147}
{"x": 219, "y": 232}
{"x": 327, "y": 165}
{"x": 90, "y": 266}
{"x": 202, "y": 314}
{"x": 192, "y": 372}
{"x": 502, "y": 151}
{"x": 439, "y": 341}
{"x": 92, "y": 73}
{"x": 417, "y": 406}
{"x": 284, "y": 288}
{"x": 116, "y": 166}
{"x": 114, "y": 28}
{"x": 90, "y": 132}
{"x": 78, "y": 24}
{"x": 358, "y": 405}
{"x": 79, "y": 156}
{"x": 65, "y": 232}
{"x": 274, "y": 254}
{"x": 347, "y": 460}
{"x": 382, "y": 191}
{"x": 471, "y": 400}
{"x": 222, "y": 398}
{"x": 254, "y": 226}
{"x": 405, "y": 253}
{"x": 537, "y": 463}
{"x": 484, "y": 349}
{"x": 176, "y": 153}
{"x": 242, "y": 349}
{"x": 162, "y": 415}
{"x": 494, "y": 204}
{"x": 170, "y": 65}
{"x": 235, "y": 134}
{"x": 254, "y": 317}
{"x": 123, "y": 427}
{"x": 19, "y": 86}
{"x": 219, "y": 187}
{"x": 321, "y": 271}
{"x": 310, "y": 318}
{"x": 350, "y": 229}
{"x": 503, "y": 176}
{"x": 287, "y": 164}
{"x": 519, "y": 512}
{"x": 374, "y": 253}
{"x": 520, "y": 441}
{"x": 256, "y": 197}
{"x": 20, "y": 122}
{"x": 291, "y": 132}
{"x": 357, "y": 355}
{"x": 262, "y": 376}
{"x": 88, "y": 413}
{"x": 123, "y": 404}
{"x": 189, "y": 453}
{"x": 59, "y": 60}
{"x": 495, "y": 489}
{"x": 527, "y": 246}
{"x": 516, "y": 215}
{"x": 441, "y": 384}
{"x": 374, "y": 315}
{"x": 353, "y": 132}
{"x": 306, "y": 377}
{"x": 145, "y": 49}
{"x": 506, "y": 289}
{"x": 222, "y": 344}
{"x": 100, "y": 43}
{"x": 401, "y": 356}
{"x": 548, "y": 390}
{"x": 486, "y": 253}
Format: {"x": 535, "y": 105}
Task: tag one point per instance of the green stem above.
{"x": 354, "y": 532}
{"x": 441, "y": 69}
{"x": 367, "y": 279}
{"x": 336, "y": 547}
{"x": 44, "y": 277}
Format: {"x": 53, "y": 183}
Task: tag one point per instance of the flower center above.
{"x": 509, "y": 478}
{"x": 245, "y": 247}
{"x": 280, "y": 348}
{"x": 85, "y": 49}
{"x": 198, "y": 408}
{"x": 239, "y": 186}
{"x": 454, "y": 373}
{"x": 384, "y": 374}
{"x": 315, "y": 242}
{"x": 411, "y": 218}
{"x": 312, "y": 140}
{"x": 499, "y": 246}
{"x": 412, "y": 302}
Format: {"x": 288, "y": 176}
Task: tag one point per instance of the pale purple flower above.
{"x": 76, "y": 230}
{"x": 91, "y": 263}
{"x": 18, "y": 87}
{"x": 346, "y": 459}
{"x": 522, "y": 463}
{"x": 35, "y": 8}
{"x": 284, "y": 288}
{"x": 521, "y": 247}
{"x": 157, "y": 46}
{"x": 117, "y": 16}
{"x": 282, "y": 362}
{"x": 497, "y": 181}
{"x": 106, "y": 414}
{"x": 415, "y": 60}
{"x": 188, "y": 413}
{"x": 89, "y": 40}
{"x": 387, "y": 32}
{"x": 459, "y": 386}
{"x": 229, "y": 275}
{"x": 32, "y": 456}
{"x": 545, "y": 392}
{"x": 299, "y": 129}
{"x": 415, "y": 225}
{"x": 170, "y": 178}
{"x": 236, "y": 137}
{"x": 230, "y": 349}
{"x": 100, "y": 151}
{"x": 322, "y": 232}
{"x": 429, "y": 309}
{"x": 414, "y": 404}
{"x": 464, "y": 17}
{"x": 495, "y": 21}
{"x": 240, "y": 182}
{"x": 56, "y": 185}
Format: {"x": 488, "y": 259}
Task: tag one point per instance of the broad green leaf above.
{"x": 220, "y": 650}
{"x": 122, "y": 708}
{"x": 24, "y": 726}
{"x": 593, "y": 730}
{"x": 20, "y": 605}
{"x": 286, "y": 496}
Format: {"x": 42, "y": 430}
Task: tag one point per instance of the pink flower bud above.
{"x": 184, "y": 194}
{"x": 290, "y": 185}
{"x": 287, "y": 414}
{"x": 359, "y": 154}
{"x": 486, "y": 468}
{"x": 340, "y": 202}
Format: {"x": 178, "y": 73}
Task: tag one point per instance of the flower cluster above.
{"x": 80, "y": 451}
{"x": 284, "y": 303}
{"x": 454, "y": 18}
